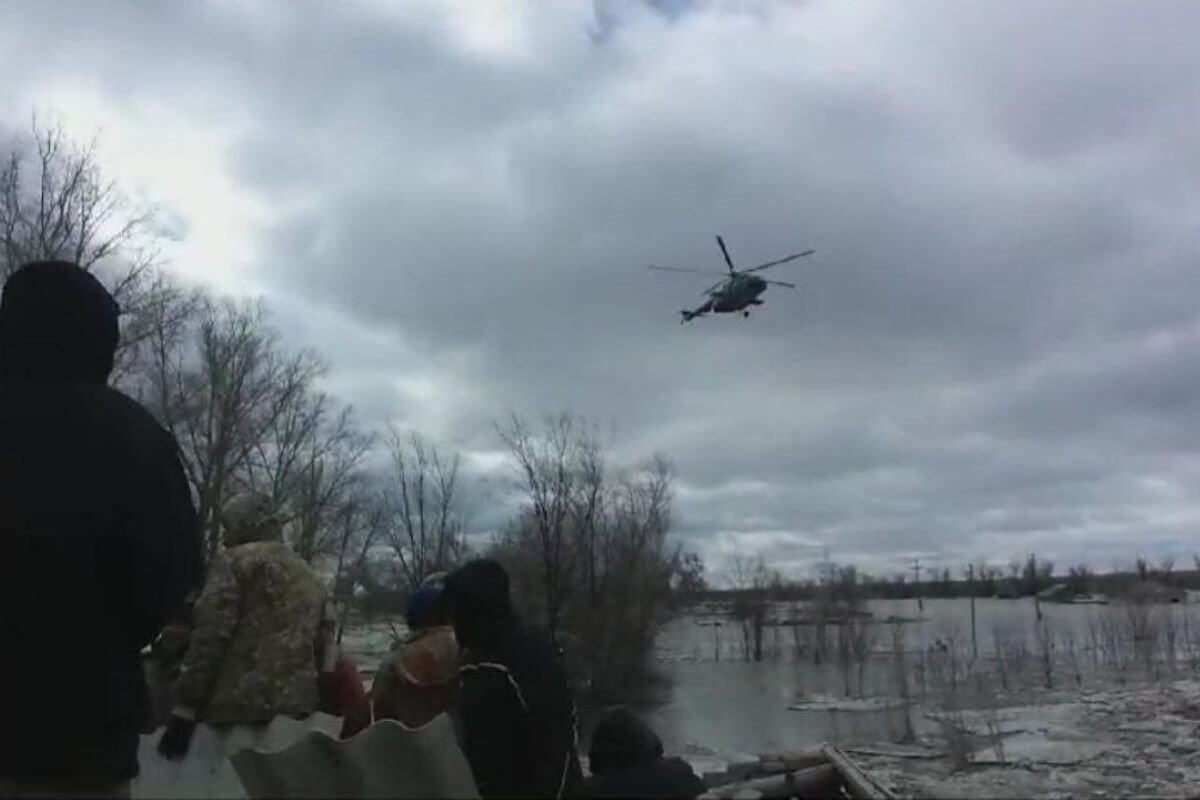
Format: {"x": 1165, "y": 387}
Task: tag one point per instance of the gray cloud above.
{"x": 993, "y": 350}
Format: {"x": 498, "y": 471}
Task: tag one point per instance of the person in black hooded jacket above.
{"x": 517, "y": 716}
{"x": 99, "y": 542}
{"x": 626, "y": 760}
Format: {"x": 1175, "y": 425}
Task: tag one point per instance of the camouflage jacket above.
{"x": 252, "y": 651}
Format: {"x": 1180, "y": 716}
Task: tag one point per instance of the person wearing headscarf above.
{"x": 419, "y": 680}
{"x": 626, "y": 760}
{"x": 252, "y": 659}
{"x": 518, "y": 721}
{"x": 100, "y": 539}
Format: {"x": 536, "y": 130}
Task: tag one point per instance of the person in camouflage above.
{"x": 251, "y": 655}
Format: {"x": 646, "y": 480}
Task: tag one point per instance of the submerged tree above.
{"x": 589, "y": 551}
{"x": 751, "y": 582}
{"x": 560, "y": 475}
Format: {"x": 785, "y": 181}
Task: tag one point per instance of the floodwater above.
{"x": 721, "y": 707}
{"x": 726, "y": 708}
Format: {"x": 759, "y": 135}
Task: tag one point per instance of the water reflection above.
{"x": 726, "y": 708}
{"x": 731, "y": 709}
{"x": 719, "y": 710}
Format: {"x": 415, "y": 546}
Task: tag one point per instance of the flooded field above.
{"x": 721, "y": 706}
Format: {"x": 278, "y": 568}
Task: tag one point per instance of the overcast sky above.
{"x": 995, "y": 349}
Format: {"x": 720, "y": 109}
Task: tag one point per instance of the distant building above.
{"x": 1056, "y": 593}
{"x": 1151, "y": 592}
{"x": 1063, "y": 593}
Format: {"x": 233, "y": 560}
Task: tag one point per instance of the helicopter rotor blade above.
{"x": 725, "y": 253}
{"x": 713, "y": 288}
{"x": 792, "y": 257}
{"x": 682, "y": 269}
{"x": 782, "y": 283}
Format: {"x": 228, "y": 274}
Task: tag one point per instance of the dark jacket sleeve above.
{"x": 168, "y": 535}
{"x": 492, "y": 717}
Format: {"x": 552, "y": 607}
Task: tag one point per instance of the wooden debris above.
{"x": 819, "y": 781}
{"x": 763, "y": 766}
{"x": 860, "y": 784}
{"x": 923, "y": 754}
{"x": 824, "y": 773}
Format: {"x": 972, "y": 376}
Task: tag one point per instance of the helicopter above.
{"x": 737, "y": 290}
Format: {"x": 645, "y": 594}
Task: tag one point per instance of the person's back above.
{"x": 250, "y": 675}
{"x": 517, "y": 714}
{"x": 98, "y": 536}
{"x": 626, "y": 760}
{"x": 252, "y": 654}
{"x": 660, "y": 778}
{"x": 419, "y": 680}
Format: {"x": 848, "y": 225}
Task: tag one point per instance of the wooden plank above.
{"x": 821, "y": 781}
{"x": 858, "y": 783}
{"x": 889, "y": 752}
{"x": 763, "y": 766}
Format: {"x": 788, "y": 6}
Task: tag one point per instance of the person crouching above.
{"x": 626, "y": 760}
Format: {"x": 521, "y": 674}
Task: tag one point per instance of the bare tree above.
{"x": 426, "y": 526}
{"x": 359, "y": 520}
{"x": 1142, "y": 566}
{"x": 170, "y": 313}
{"x": 308, "y": 461}
{"x": 587, "y": 511}
{"x": 1165, "y": 570}
{"x": 558, "y": 474}
{"x": 636, "y": 566}
{"x": 690, "y": 581}
{"x": 55, "y": 203}
{"x": 606, "y": 529}
{"x": 971, "y": 575}
{"x": 158, "y": 334}
{"x": 750, "y": 581}
{"x": 220, "y": 382}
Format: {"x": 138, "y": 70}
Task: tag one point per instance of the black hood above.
{"x": 620, "y": 740}
{"x": 57, "y": 323}
{"x": 478, "y": 596}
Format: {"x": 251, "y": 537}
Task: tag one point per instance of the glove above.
{"x": 176, "y": 738}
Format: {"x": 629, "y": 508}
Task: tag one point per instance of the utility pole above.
{"x": 917, "y": 584}
{"x": 971, "y": 589}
